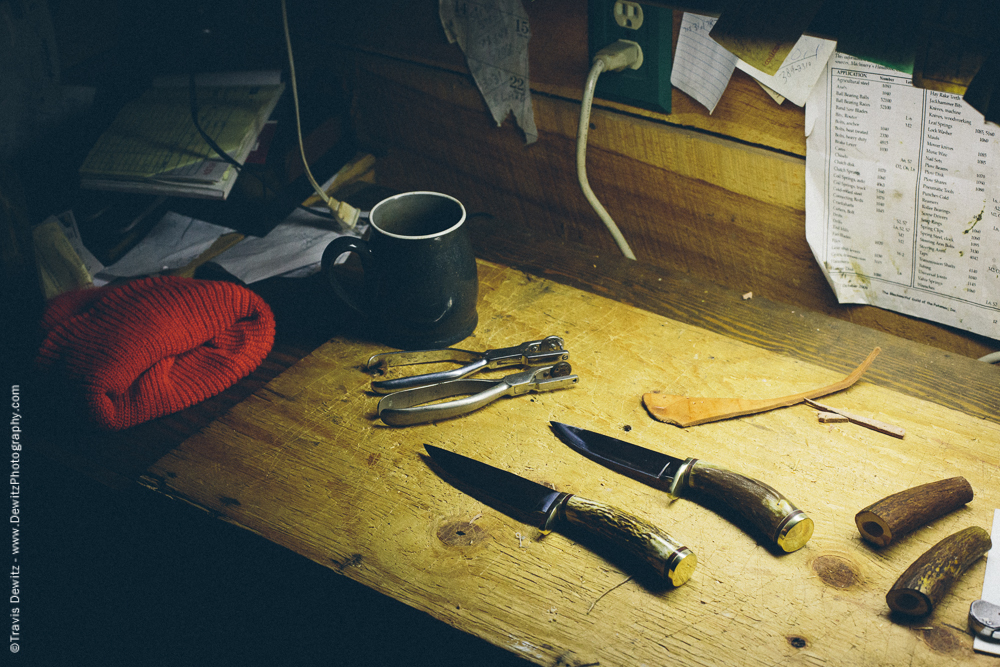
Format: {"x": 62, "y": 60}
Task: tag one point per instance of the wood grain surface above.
{"x": 305, "y": 463}
{"x": 720, "y": 196}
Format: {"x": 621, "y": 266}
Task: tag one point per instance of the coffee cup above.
{"x": 420, "y": 286}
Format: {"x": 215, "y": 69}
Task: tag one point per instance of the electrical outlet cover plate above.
{"x": 649, "y": 86}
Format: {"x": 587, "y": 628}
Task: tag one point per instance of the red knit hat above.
{"x": 154, "y": 346}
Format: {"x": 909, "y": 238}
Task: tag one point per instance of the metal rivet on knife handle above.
{"x": 670, "y": 558}
{"x": 769, "y": 511}
{"x": 903, "y": 512}
{"x": 925, "y": 582}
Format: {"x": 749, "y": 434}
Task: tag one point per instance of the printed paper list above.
{"x": 903, "y": 197}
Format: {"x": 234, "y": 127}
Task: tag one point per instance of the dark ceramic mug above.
{"x": 420, "y": 284}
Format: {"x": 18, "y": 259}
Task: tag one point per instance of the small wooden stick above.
{"x": 831, "y": 418}
{"x": 874, "y": 424}
{"x": 219, "y": 246}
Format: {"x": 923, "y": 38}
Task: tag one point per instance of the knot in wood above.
{"x": 461, "y": 534}
{"x": 836, "y": 571}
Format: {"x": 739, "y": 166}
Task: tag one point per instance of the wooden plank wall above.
{"x": 719, "y": 196}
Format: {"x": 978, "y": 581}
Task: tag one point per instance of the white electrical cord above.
{"x": 991, "y": 358}
{"x": 343, "y": 211}
{"x": 618, "y": 56}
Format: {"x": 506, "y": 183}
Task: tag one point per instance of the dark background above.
{"x": 131, "y": 578}
{"x": 124, "y": 576}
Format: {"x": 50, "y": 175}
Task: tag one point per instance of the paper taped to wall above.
{"x": 702, "y": 66}
{"x": 903, "y": 196}
{"x": 494, "y": 36}
{"x": 800, "y": 70}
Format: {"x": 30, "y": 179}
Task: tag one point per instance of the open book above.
{"x": 153, "y": 146}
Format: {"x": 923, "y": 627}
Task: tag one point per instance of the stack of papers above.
{"x": 154, "y": 147}
{"x": 703, "y": 67}
{"x": 293, "y": 249}
{"x": 945, "y": 47}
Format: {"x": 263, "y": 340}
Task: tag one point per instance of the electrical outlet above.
{"x": 653, "y": 29}
{"x": 628, "y": 14}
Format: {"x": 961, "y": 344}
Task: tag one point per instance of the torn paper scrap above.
{"x": 774, "y": 96}
{"x": 702, "y": 67}
{"x": 494, "y": 36}
{"x": 799, "y": 72}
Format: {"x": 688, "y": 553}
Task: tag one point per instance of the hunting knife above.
{"x": 757, "y": 503}
{"x": 543, "y": 507}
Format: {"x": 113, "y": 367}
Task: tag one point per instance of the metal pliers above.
{"x": 409, "y": 406}
{"x": 532, "y": 353}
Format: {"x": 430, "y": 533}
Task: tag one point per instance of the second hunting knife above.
{"x": 540, "y": 506}
{"x": 759, "y": 504}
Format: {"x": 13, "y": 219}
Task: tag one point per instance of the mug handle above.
{"x": 335, "y": 249}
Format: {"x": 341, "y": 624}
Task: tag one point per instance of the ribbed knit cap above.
{"x": 154, "y": 346}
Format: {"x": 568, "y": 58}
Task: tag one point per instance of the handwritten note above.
{"x": 702, "y": 67}
{"x": 494, "y": 36}
{"x": 797, "y": 75}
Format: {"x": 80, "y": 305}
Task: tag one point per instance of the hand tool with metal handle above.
{"x": 544, "y": 352}
{"x": 757, "y": 503}
{"x": 415, "y": 406}
{"x": 545, "y": 508}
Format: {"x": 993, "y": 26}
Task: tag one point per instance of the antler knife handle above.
{"x": 669, "y": 557}
{"x": 903, "y": 512}
{"x": 760, "y": 505}
{"x": 925, "y": 582}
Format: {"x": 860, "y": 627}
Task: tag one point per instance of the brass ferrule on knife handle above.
{"x": 669, "y": 558}
{"x": 766, "y": 509}
{"x": 925, "y": 582}
{"x": 903, "y": 512}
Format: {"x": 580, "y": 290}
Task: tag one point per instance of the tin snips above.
{"x": 411, "y": 400}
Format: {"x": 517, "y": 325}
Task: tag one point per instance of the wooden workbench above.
{"x": 304, "y": 462}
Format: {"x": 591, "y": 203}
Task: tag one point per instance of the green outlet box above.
{"x": 653, "y": 29}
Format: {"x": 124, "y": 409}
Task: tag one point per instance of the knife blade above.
{"x": 540, "y": 506}
{"x": 757, "y": 503}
